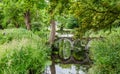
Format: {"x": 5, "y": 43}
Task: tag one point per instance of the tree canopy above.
{"x": 86, "y": 15}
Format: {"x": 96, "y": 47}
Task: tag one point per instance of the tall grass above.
{"x": 22, "y": 52}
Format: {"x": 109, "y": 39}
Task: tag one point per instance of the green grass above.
{"x": 21, "y": 52}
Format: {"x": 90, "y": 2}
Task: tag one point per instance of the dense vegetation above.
{"x": 22, "y": 52}
{"x": 24, "y": 35}
{"x": 106, "y": 54}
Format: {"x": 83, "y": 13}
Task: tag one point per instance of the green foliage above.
{"x": 72, "y": 23}
{"x": 94, "y": 15}
{"x": 106, "y": 54}
{"x": 22, "y": 52}
{"x": 83, "y": 14}
{"x": 69, "y": 22}
{"x": 12, "y": 12}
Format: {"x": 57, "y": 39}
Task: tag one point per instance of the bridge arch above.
{"x": 64, "y": 45}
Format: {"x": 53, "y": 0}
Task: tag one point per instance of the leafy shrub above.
{"x": 106, "y": 54}
{"x": 72, "y": 23}
{"x": 22, "y": 52}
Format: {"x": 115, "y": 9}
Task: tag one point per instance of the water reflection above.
{"x": 67, "y": 69}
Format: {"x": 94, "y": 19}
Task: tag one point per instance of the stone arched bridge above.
{"x": 67, "y": 50}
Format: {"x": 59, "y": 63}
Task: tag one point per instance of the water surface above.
{"x": 67, "y": 69}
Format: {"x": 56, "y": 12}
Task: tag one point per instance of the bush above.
{"x": 72, "y": 23}
{"x": 106, "y": 54}
{"x": 22, "y": 52}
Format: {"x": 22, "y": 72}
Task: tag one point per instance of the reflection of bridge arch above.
{"x": 64, "y": 45}
{"x": 67, "y": 50}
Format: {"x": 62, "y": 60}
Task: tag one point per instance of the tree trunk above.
{"x": 16, "y": 24}
{"x": 52, "y": 68}
{"x": 52, "y": 32}
{"x": 1, "y": 27}
{"x": 51, "y": 41}
{"x": 27, "y": 20}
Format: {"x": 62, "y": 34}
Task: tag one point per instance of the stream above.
{"x": 67, "y": 69}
